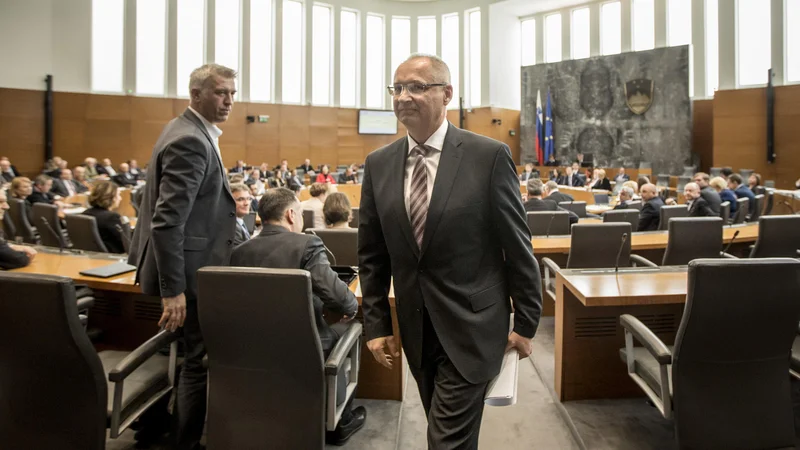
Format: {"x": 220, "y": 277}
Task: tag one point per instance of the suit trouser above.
{"x": 453, "y": 405}
{"x": 191, "y": 404}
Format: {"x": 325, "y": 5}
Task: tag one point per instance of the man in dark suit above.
{"x": 124, "y": 178}
{"x": 7, "y": 171}
{"x": 551, "y": 162}
{"x": 12, "y": 256}
{"x": 42, "y": 185}
{"x": 708, "y": 193}
{"x": 650, "y": 215}
{"x": 65, "y": 186}
{"x": 238, "y": 168}
{"x": 570, "y": 178}
{"x": 536, "y": 203}
{"x": 529, "y": 173}
{"x": 182, "y": 228}
{"x": 282, "y": 245}
{"x": 551, "y": 193}
{"x": 137, "y": 173}
{"x": 106, "y": 168}
{"x": 625, "y": 197}
{"x": 243, "y": 199}
{"x": 698, "y": 206}
{"x": 741, "y": 190}
{"x": 455, "y": 250}
{"x": 622, "y": 176}
{"x": 306, "y": 166}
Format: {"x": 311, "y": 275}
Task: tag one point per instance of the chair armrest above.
{"x": 84, "y": 320}
{"x": 798, "y": 329}
{"x": 141, "y": 354}
{"x": 85, "y": 303}
{"x": 727, "y": 255}
{"x": 82, "y": 290}
{"x": 643, "y": 334}
{"x": 640, "y": 260}
{"x": 550, "y": 265}
{"x": 342, "y": 348}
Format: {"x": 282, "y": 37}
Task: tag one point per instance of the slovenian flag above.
{"x": 539, "y": 130}
{"x": 549, "y": 143}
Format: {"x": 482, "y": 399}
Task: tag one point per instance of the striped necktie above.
{"x": 418, "y": 196}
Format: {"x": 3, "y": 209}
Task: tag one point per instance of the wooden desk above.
{"x": 588, "y": 334}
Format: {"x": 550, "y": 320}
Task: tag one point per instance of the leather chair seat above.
{"x": 794, "y": 364}
{"x": 141, "y": 385}
{"x": 647, "y": 367}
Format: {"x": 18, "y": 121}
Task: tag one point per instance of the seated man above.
{"x": 65, "y": 186}
{"x": 536, "y": 203}
{"x": 81, "y": 182}
{"x": 625, "y": 198}
{"x": 282, "y": 245}
{"x": 707, "y": 192}
{"x": 622, "y": 176}
{"x": 650, "y": 215}
{"x": 529, "y": 173}
{"x": 42, "y": 185}
{"x": 698, "y": 206}
{"x": 7, "y": 171}
{"x": 741, "y": 190}
{"x": 243, "y": 199}
{"x": 551, "y": 193}
{"x": 12, "y": 256}
{"x": 124, "y": 178}
{"x": 107, "y": 168}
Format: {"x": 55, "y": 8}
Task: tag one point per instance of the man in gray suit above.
{"x": 441, "y": 213}
{"x": 187, "y": 220}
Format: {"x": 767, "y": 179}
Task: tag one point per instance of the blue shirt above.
{"x": 744, "y": 192}
{"x": 727, "y": 195}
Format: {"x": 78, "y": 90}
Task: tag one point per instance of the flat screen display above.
{"x": 376, "y": 122}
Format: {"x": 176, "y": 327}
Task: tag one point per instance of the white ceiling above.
{"x": 523, "y": 8}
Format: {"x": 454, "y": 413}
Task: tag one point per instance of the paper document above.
{"x": 502, "y": 390}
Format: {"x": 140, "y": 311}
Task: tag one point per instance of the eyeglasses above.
{"x": 411, "y": 88}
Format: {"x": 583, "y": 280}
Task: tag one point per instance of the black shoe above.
{"x": 345, "y": 431}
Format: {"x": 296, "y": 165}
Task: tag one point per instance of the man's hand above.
{"x": 671, "y": 201}
{"x": 523, "y": 345}
{"x": 174, "y": 312}
{"x": 376, "y": 347}
{"x": 30, "y": 252}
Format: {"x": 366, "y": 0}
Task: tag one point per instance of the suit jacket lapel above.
{"x": 443, "y": 184}
{"x": 199, "y": 123}
{"x": 397, "y": 189}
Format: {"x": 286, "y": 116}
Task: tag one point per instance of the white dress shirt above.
{"x": 212, "y": 129}
{"x": 435, "y": 144}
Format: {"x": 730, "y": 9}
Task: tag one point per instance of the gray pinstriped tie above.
{"x": 418, "y": 198}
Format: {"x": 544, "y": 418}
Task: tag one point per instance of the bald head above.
{"x": 648, "y": 191}
{"x": 691, "y": 191}
{"x": 438, "y": 68}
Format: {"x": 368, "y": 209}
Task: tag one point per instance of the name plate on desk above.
{"x": 109, "y": 271}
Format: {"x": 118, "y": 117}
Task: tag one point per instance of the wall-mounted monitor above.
{"x": 372, "y": 121}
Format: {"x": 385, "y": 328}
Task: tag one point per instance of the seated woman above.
{"x": 278, "y": 179}
{"x": 22, "y": 188}
{"x": 726, "y": 195}
{"x": 103, "y": 198}
{"x": 337, "y": 211}
{"x": 325, "y": 176}
{"x": 754, "y": 181}
{"x": 12, "y": 256}
{"x": 599, "y": 180}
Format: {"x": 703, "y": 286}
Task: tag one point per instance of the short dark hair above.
{"x": 41, "y": 180}
{"x": 736, "y": 178}
{"x": 274, "y": 203}
{"x": 336, "y": 208}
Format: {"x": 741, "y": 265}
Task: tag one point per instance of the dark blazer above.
{"x": 40, "y": 197}
{"x": 559, "y": 197}
{"x": 621, "y": 206}
{"x": 525, "y": 176}
{"x": 7, "y": 177}
{"x": 602, "y": 184}
{"x": 475, "y": 254}
{"x": 239, "y": 238}
{"x": 701, "y": 208}
{"x": 124, "y": 179}
{"x": 650, "y": 214}
{"x": 104, "y": 170}
{"x": 60, "y": 188}
{"x": 10, "y": 258}
{"x": 295, "y": 183}
{"x": 712, "y": 198}
{"x": 727, "y": 195}
{"x": 744, "y": 192}
{"x": 577, "y": 180}
{"x": 107, "y": 222}
{"x": 343, "y": 179}
{"x": 187, "y": 218}
{"x": 234, "y": 169}
{"x": 278, "y": 248}
{"x": 553, "y": 163}
{"x": 547, "y": 204}
{"x": 305, "y": 168}
{"x": 137, "y": 174}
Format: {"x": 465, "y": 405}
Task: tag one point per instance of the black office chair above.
{"x": 683, "y": 181}
{"x": 62, "y": 394}
{"x": 250, "y": 222}
{"x": 601, "y": 199}
{"x": 278, "y": 390}
{"x": 693, "y": 238}
{"x": 630, "y": 215}
{"x": 770, "y": 200}
{"x": 662, "y": 180}
{"x": 725, "y": 212}
{"x": 83, "y": 233}
{"x": 778, "y": 236}
{"x": 726, "y": 388}
{"x": 714, "y": 172}
{"x": 668, "y": 212}
{"x": 308, "y": 219}
{"x": 9, "y": 230}
{"x": 18, "y": 210}
{"x": 759, "y": 206}
{"x": 548, "y": 223}
{"x": 578, "y": 208}
{"x": 354, "y": 219}
{"x": 49, "y": 225}
{"x": 635, "y": 204}
{"x": 745, "y": 173}
{"x": 742, "y": 209}
{"x": 342, "y": 242}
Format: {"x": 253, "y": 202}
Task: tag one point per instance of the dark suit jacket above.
{"x": 552, "y": 163}
{"x": 651, "y": 214}
{"x": 727, "y": 195}
{"x": 622, "y": 206}
{"x": 187, "y": 217}
{"x": 40, "y": 197}
{"x": 525, "y": 176}
{"x": 701, "y": 208}
{"x": 343, "y": 179}
{"x": 7, "y": 177}
{"x": 305, "y": 168}
{"x": 577, "y": 180}
{"x": 107, "y": 222}
{"x": 102, "y": 170}
{"x": 60, "y": 187}
{"x": 745, "y": 192}
{"x": 475, "y": 254}
{"x": 602, "y": 184}
{"x": 278, "y": 248}
{"x": 559, "y": 197}
{"x": 124, "y": 179}
{"x": 10, "y": 258}
{"x": 712, "y": 198}
{"x": 547, "y": 204}
{"x": 239, "y": 237}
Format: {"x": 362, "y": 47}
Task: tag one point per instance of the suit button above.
{"x": 232, "y": 215}
{"x": 230, "y": 241}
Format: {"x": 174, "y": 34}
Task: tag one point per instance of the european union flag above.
{"x": 549, "y": 143}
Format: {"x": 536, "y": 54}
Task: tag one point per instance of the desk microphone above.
{"x": 619, "y": 253}
{"x": 789, "y": 205}
{"x": 53, "y": 232}
{"x": 547, "y": 231}
{"x": 727, "y": 247}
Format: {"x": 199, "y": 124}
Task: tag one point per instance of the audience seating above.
{"x": 354, "y": 219}
{"x": 601, "y": 199}
{"x": 308, "y": 219}
{"x": 548, "y": 223}
{"x": 630, "y": 215}
{"x": 689, "y": 171}
{"x": 278, "y": 391}
{"x": 578, "y": 208}
{"x": 745, "y": 173}
{"x": 725, "y": 379}
{"x": 770, "y": 200}
{"x": 125, "y": 232}
{"x": 725, "y": 212}
{"x": 778, "y": 236}
{"x": 759, "y": 201}
{"x": 250, "y": 222}
{"x": 9, "y": 230}
{"x": 19, "y": 216}
{"x": 742, "y": 208}
{"x": 715, "y": 172}
{"x": 45, "y": 217}
{"x": 61, "y": 393}
{"x": 662, "y": 180}
{"x": 636, "y": 204}
{"x": 671, "y": 211}
{"x": 341, "y": 242}
{"x": 83, "y": 233}
{"x": 693, "y": 238}
{"x": 682, "y": 182}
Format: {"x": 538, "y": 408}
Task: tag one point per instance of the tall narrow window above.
{"x": 679, "y": 22}
{"x": 191, "y": 41}
{"x": 401, "y": 41}
{"x": 792, "y": 42}
{"x": 292, "y": 55}
{"x": 610, "y": 28}
{"x": 753, "y": 46}
{"x": 226, "y": 34}
{"x": 426, "y": 35}
{"x": 580, "y": 33}
{"x": 552, "y": 38}
{"x": 473, "y": 54}
{"x": 712, "y": 46}
{"x": 321, "y": 58}
{"x": 528, "y": 44}
{"x": 348, "y": 64}
{"x": 151, "y": 40}
{"x": 261, "y": 50}
{"x": 376, "y": 53}
{"x": 643, "y": 25}
{"x": 108, "y": 20}
{"x": 451, "y": 53}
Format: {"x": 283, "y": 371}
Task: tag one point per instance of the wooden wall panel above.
{"x": 22, "y": 128}
{"x": 263, "y": 139}
{"x": 294, "y": 132}
{"x": 703, "y": 132}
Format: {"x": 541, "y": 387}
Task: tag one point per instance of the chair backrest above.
{"x": 725, "y": 212}
{"x": 742, "y": 208}
{"x": 662, "y": 180}
{"x": 714, "y": 171}
{"x": 83, "y": 233}
{"x": 52, "y": 382}
{"x": 636, "y": 204}
{"x": 770, "y": 200}
{"x": 778, "y": 236}
{"x": 549, "y": 223}
{"x": 745, "y": 173}
{"x": 630, "y": 215}
{"x": 601, "y": 199}
{"x": 250, "y": 222}
{"x": 277, "y": 380}
{"x": 597, "y": 245}
{"x": 19, "y": 216}
{"x": 125, "y": 233}
{"x": 137, "y": 194}
{"x": 578, "y": 208}
{"x": 683, "y": 181}
{"x": 354, "y": 220}
{"x": 759, "y": 200}
{"x": 50, "y": 231}
{"x": 645, "y": 165}
{"x": 308, "y": 219}
{"x": 342, "y": 242}
{"x": 9, "y": 230}
{"x": 759, "y": 190}
{"x": 670, "y": 211}
{"x": 692, "y": 238}
{"x": 689, "y": 171}
{"x": 731, "y": 354}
